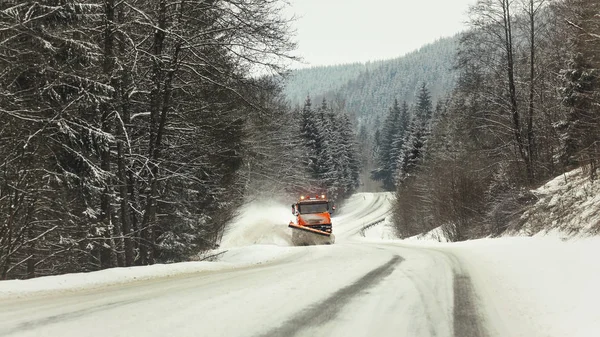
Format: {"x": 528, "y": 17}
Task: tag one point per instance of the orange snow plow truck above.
{"x": 313, "y": 221}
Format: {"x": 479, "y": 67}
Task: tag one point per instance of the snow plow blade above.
{"x": 306, "y": 236}
{"x": 308, "y": 229}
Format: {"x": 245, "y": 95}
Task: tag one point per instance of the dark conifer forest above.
{"x": 133, "y": 130}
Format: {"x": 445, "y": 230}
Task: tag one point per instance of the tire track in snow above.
{"x": 31, "y": 325}
{"x": 467, "y": 319}
{"x": 326, "y": 310}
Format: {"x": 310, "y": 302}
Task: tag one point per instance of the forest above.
{"x": 525, "y": 109}
{"x": 133, "y": 130}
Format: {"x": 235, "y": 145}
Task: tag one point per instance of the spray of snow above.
{"x": 259, "y": 223}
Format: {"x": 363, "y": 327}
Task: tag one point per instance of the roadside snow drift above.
{"x": 568, "y": 204}
{"x": 231, "y": 259}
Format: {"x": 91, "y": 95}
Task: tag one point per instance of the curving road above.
{"x": 353, "y": 288}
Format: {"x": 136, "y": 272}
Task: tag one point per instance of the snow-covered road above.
{"x": 357, "y": 287}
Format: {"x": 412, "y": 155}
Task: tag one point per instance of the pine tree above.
{"x": 415, "y": 140}
{"x": 312, "y": 139}
{"x": 424, "y": 107}
{"x": 333, "y": 152}
{"x": 391, "y": 131}
{"x": 351, "y": 165}
{"x": 376, "y": 144}
{"x": 398, "y": 142}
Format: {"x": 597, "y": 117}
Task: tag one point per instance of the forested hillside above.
{"x": 319, "y": 80}
{"x": 131, "y": 132}
{"x": 525, "y": 110}
{"x": 375, "y": 90}
{"x": 368, "y": 90}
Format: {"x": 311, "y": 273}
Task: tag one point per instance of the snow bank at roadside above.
{"x": 437, "y": 234}
{"x": 542, "y": 277}
{"x": 568, "y": 205}
{"x": 531, "y": 286}
{"x": 230, "y": 259}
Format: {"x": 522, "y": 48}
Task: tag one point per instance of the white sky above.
{"x": 344, "y": 31}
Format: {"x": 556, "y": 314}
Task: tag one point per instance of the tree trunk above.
{"x": 111, "y": 228}
{"x": 122, "y": 125}
{"x": 31, "y": 253}
{"x": 149, "y": 218}
{"x": 6, "y": 241}
{"x": 530, "y": 139}
{"x": 512, "y": 91}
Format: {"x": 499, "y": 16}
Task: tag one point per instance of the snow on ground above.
{"x": 530, "y": 286}
{"x": 79, "y": 281}
{"x": 543, "y": 285}
{"x": 360, "y": 211}
{"x": 436, "y": 234}
{"x": 568, "y": 205}
{"x": 536, "y": 286}
{"x": 257, "y": 236}
{"x": 382, "y": 231}
{"x": 231, "y": 259}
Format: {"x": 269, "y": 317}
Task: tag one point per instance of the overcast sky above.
{"x": 344, "y": 31}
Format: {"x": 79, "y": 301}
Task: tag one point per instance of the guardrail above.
{"x": 371, "y": 224}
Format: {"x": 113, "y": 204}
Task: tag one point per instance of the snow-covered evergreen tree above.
{"x": 413, "y": 147}
{"x": 390, "y": 131}
{"x": 313, "y": 139}
{"x": 330, "y": 144}
{"x": 398, "y": 142}
{"x": 351, "y": 164}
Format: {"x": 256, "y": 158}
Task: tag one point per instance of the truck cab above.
{"x": 314, "y": 212}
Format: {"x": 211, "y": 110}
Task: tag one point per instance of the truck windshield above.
{"x": 312, "y": 208}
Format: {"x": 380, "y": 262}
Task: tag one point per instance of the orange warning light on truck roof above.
{"x": 306, "y": 197}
